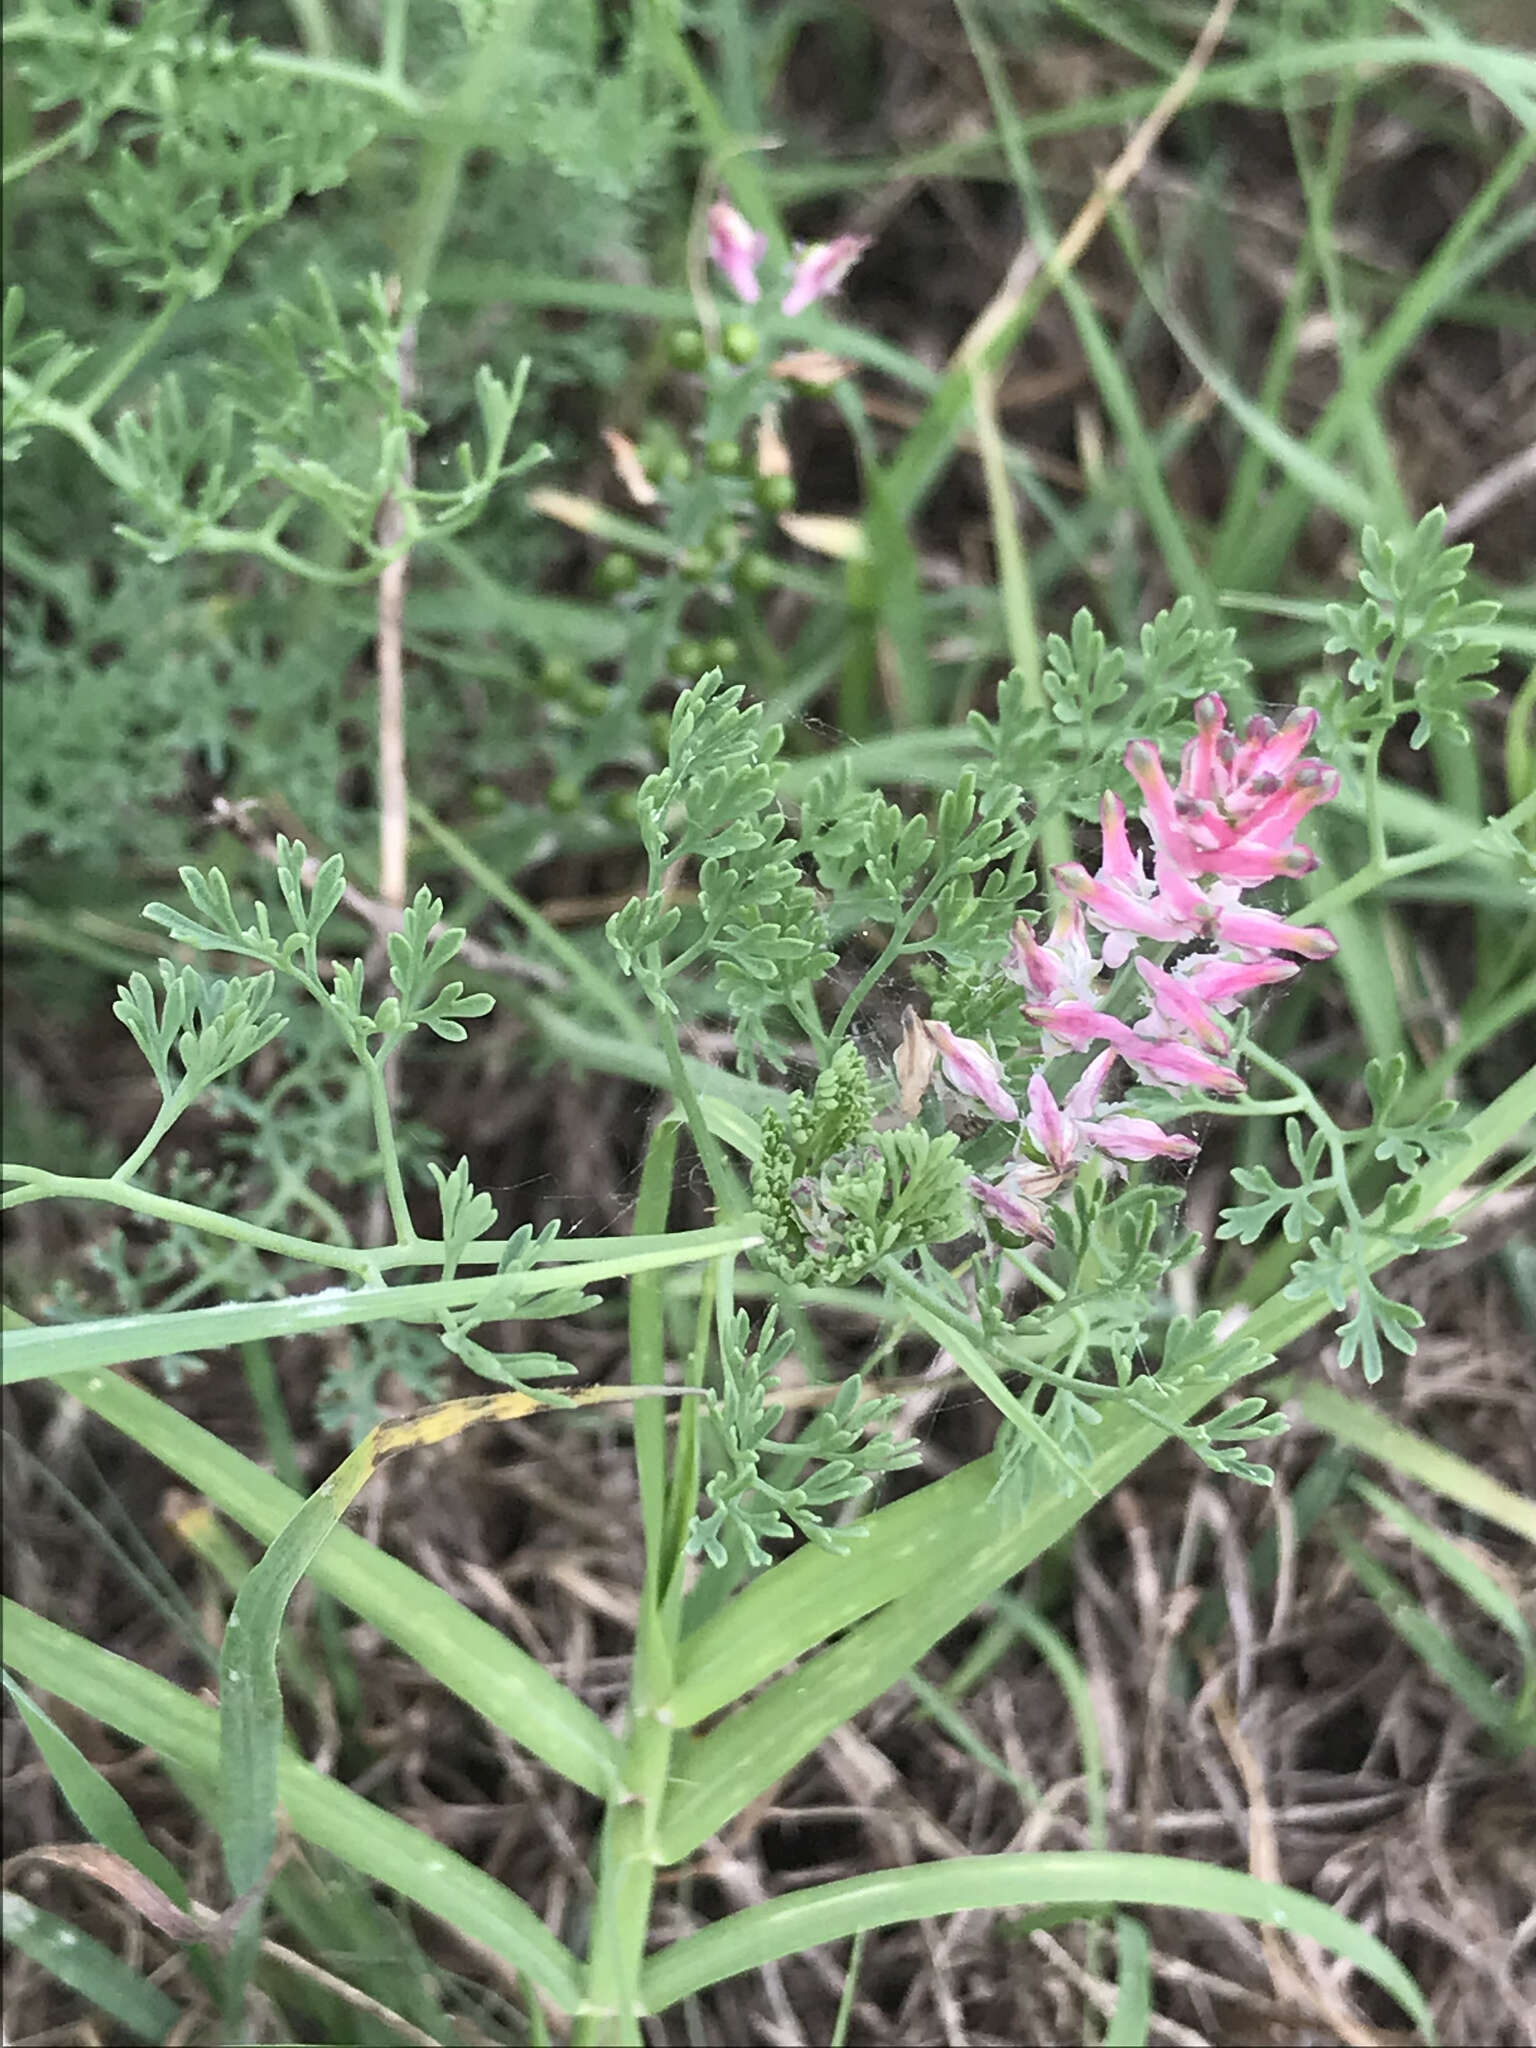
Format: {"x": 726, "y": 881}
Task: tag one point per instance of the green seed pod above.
{"x": 589, "y": 698}
{"x": 486, "y": 799}
{"x": 689, "y": 659}
{"x": 725, "y": 539}
{"x": 723, "y": 457}
{"x": 658, "y": 729}
{"x": 739, "y": 342}
{"x": 722, "y": 651}
{"x": 685, "y": 346}
{"x": 563, "y": 794}
{"x": 622, "y": 807}
{"x": 698, "y": 564}
{"x": 558, "y": 677}
{"x": 756, "y": 572}
{"x": 775, "y": 493}
{"x": 615, "y": 573}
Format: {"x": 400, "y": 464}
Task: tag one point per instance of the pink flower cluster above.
{"x": 737, "y": 249}
{"x": 1228, "y": 826}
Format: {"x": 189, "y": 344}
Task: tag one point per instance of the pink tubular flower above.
{"x": 1122, "y": 903}
{"x": 1178, "y": 1065}
{"x": 1074, "y": 1026}
{"x": 1067, "y": 1133}
{"x": 1121, "y": 1136}
{"x": 1183, "y": 1010}
{"x": 1238, "y": 805}
{"x": 736, "y": 249}
{"x": 1016, "y": 1201}
{"x": 1251, "y": 932}
{"x": 971, "y": 1069}
{"x": 820, "y": 269}
{"x": 1224, "y": 983}
{"x": 1063, "y": 966}
{"x": 1063, "y": 1135}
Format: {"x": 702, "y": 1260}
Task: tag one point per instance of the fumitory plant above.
{"x": 999, "y": 1175}
{"x": 937, "y": 1048}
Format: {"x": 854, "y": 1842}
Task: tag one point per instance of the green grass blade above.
{"x": 939, "y": 1708}
{"x": 474, "y": 1661}
{"x": 389, "y": 1851}
{"x": 79, "y": 1960}
{"x": 95, "y": 1802}
{"x": 1425, "y": 1637}
{"x": 1142, "y": 460}
{"x": 1132, "y": 2015}
{"x": 1312, "y": 477}
{"x": 829, "y": 1912}
{"x": 47, "y": 1350}
{"x": 796, "y": 1604}
{"x": 848, "y": 1994}
{"x": 1458, "y": 258}
{"x": 251, "y": 1704}
{"x": 1458, "y": 1564}
{"x": 647, "y": 1336}
{"x": 250, "y": 1692}
{"x": 967, "y": 1556}
{"x": 1363, "y": 1427}
{"x": 1363, "y": 963}
{"x": 1054, "y": 1652}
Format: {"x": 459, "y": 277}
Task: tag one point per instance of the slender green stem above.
{"x": 1385, "y": 867}
{"x": 1019, "y": 619}
{"x": 371, "y": 1263}
{"x": 40, "y": 154}
{"x": 146, "y": 338}
{"x": 628, "y": 1854}
{"x": 716, "y": 1165}
{"x": 389, "y": 1152}
{"x": 1375, "y": 824}
{"x": 40, "y": 1185}
{"x": 960, "y": 1340}
{"x": 313, "y": 23}
{"x": 1520, "y": 754}
{"x": 1333, "y": 1137}
{"x": 900, "y": 932}
{"x": 396, "y": 14}
{"x": 167, "y": 1114}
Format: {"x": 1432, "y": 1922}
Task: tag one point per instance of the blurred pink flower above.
{"x": 1178, "y": 1065}
{"x": 736, "y": 248}
{"x": 820, "y": 269}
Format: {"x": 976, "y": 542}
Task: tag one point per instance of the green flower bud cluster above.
{"x": 835, "y": 1195}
